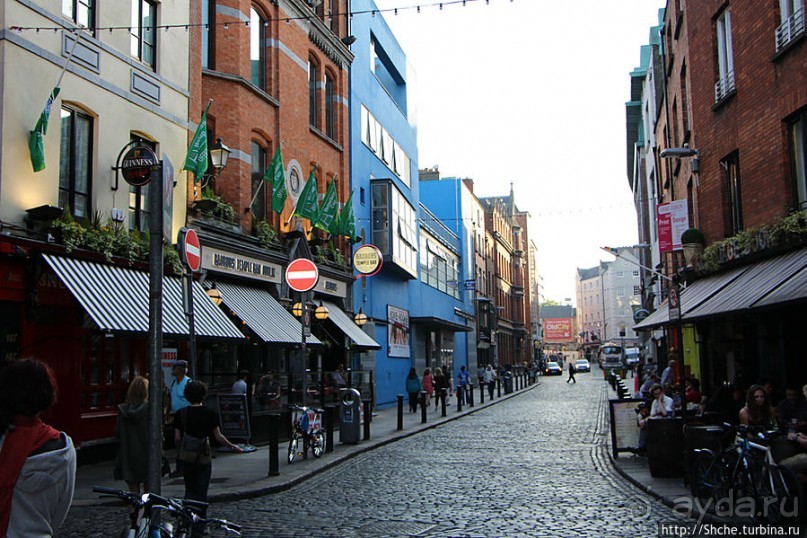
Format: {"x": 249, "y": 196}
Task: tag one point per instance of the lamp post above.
{"x": 219, "y": 155}
{"x": 302, "y": 310}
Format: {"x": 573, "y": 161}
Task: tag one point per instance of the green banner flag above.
{"x": 196, "y": 160}
{"x": 36, "y": 143}
{"x": 347, "y": 224}
{"x": 327, "y": 211}
{"x": 307, "y": 203}
{"x": 276, "y": 175}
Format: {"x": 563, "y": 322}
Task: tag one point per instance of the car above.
{"x": 582, "y": 365}
{"x": 552, "y": 368}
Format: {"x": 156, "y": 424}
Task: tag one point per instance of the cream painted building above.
{"x": 120, "y": 83}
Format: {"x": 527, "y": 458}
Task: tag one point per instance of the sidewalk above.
{"x": 238, "y": 476}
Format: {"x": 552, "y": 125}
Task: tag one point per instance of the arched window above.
{"x": 330, "y": 105}
{"x": 257, "y": 48}
{"x": 313, "y": 111}
{"x": 258, "y": 206}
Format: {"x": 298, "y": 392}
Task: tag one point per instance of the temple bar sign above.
{"x": 231, "y": 263}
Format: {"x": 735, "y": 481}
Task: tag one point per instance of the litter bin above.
{"x": 349, "y": 416}
{"x": 665, "y": 447}
{"x": 508, "y": 383}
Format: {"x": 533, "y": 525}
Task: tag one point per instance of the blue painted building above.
{"x": 411, "y": 302}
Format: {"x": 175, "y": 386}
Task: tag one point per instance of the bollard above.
{"x": 274, "y": 424}
{"x": 459, "y": 399}
{"x": 423, "y": 409}
{"x": 482, "y": 393}
{"x": 367, "y": 419}
{"x": 471, "y": 395}
{"x": 330, "y": 411}
{"x": 400, "y": 411}
{"x": 443, "y": 402}
{"x": 499, "y": 387}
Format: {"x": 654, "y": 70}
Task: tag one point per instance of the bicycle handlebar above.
{"x": 222, "y": 524}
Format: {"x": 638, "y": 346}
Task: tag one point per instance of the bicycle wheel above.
{"x": 318, "y": 445}
{"x": 706, "y": 474}
{"x": 777, "y": 495}
{"x": 293, "y": 447}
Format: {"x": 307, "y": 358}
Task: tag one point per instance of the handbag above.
{"x": 194, "y": 449}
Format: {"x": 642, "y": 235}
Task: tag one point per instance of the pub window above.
{"x": 313, "y": 110}
{"x": 258, "y": 188}
{"x": 798, "y": 157}
{"x": 144, "y": 31}
{"x": 330, "y": 112}
{"x": 81, "y": 12}
{"x": 257, "y": 48}
{"x": 734, "y": 201}
{"x": 75, "y": 162}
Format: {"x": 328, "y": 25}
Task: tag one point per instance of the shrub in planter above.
{"x": 693, "y": 235}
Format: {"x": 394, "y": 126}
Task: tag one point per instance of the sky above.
{"x": 532, "y": 92}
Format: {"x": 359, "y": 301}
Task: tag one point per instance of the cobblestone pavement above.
{"x": 535, "y": 465}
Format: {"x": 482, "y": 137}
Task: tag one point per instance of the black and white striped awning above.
{"x": 263, "y": 314}
{"x": 117, "y": 299}
{"x": 341, "y": 319}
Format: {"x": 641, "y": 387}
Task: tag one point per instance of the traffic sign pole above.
{"x": 191, "y": 255}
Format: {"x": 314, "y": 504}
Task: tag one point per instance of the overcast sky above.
{"x": 533, "y": 92}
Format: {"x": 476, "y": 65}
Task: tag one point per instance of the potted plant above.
{"x": 693, "y": 242}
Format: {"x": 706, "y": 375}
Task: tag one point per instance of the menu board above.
{"x": 233, "y": 416}
{"x": 624, "y": 429}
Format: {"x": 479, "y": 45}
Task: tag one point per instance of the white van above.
{"x": 611, "y": 355}
{"x": 632, "y": 355}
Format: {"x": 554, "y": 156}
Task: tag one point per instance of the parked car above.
{"x": 552, "y": 368}
{"x": 582, "y": 365}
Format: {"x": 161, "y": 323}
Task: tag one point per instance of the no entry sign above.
{"x": 191, "y": 249}
{"x": 302, "y": 275}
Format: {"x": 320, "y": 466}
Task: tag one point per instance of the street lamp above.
{"x": 219, "y": 153}
{"x": 360, "y": 318}
{"x": 215, "y": 295}
{"x": 321, "y": 312}
{"x": 679, "y": 153}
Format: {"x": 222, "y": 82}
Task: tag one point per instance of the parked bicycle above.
{"x": 183, "y": 513}
{"x": 743, "y": 472}
{"x": 307, "y": 431}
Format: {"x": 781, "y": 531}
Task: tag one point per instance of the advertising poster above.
{"x": 672, "y": 219}
{"x": 557, "y": 330}
{"x": 398, "y": 331}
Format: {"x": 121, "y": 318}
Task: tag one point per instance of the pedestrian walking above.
{"x": 413, "y": 388}
{"x": 490, "y": 380}
{"x": 178, "y": 400}
{"x": 428, "y": 385}
{"x": 441, "y": 386}
{"x": 571, "y": 373}
{"x": 463, "y": 383}
{"x": 37, "y": 462}
{"x": 202, "y": 423}
{"x": 131, "y": 430}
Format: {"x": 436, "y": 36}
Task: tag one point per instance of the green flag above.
{"x": 196, "y": 160}
{"x": 276, "y": 175}
{"x": 307, "y": 203}
{"x": 347, "y": 224}
{"x": 327, "y": 211}
{"x": 36, "y": 143}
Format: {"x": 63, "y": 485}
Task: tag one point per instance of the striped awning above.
{"x": 341, "y": 319}
{"x": 117, "y": 299}
{"x": 263, "y": 314}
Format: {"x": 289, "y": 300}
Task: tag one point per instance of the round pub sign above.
{"x": 368, "y": 260}
{"x": 137, "y": 165}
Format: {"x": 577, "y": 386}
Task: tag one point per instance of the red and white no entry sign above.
{"x": 302, "y": 275}
{"x": 192, "y": 250}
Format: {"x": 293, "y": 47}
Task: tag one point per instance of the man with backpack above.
{"x": 463, "y": 384}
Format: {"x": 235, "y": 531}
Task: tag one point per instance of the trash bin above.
{"x": 349, "y": 416}
{"x": 508, "y": 383}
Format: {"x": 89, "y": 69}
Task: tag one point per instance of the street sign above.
{"x": 302, "y": 275}
{"x": 674, "y": 302}
{"x": 137, "y": 164}
{"x": 368, "y": 260}
{"x": 191, "y": 249}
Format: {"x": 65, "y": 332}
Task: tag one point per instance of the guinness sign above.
{"x": 137, "y": 165}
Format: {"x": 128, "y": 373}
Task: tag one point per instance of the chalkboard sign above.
{"x": 234, "y": 416}
{"x": 624, "y": 429}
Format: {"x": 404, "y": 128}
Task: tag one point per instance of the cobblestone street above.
{"x": 535, "y": 465}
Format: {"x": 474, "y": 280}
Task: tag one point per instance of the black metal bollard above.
{"x": 471, "y": 395}
{"x": 499, "y": 388}
{"x": 274, "y": 424}
{"x": 330, "y": 411}
{"x": 443, "y": 402}
{"x": 400, "y": 411}
{"x": 423, "y": 410}
{"x": 459, "y": 398}
{"x": 482, "y": 389}
{"x": 367, "y": 419}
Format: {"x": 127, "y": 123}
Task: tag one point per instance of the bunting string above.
{"x": 416, "y": 8}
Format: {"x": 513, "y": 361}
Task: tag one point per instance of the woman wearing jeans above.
{"x": 198, "y": 421}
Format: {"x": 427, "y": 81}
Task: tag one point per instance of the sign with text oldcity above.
{"x": 234, "y": 264}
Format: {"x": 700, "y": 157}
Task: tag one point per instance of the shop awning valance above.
{"x": 341, "y": 319}
{"x": 441, "y": 323}
{"x": 117, "y": 299}
{"x": 263, "y": 314}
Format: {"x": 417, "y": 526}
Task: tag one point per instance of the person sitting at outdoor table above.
{"x": 792, "y": 408}
{"x": 757, "y": 410}
{"x": 642, "y": 414}
{"x": 662, "y": 404}
{"x": 644, "y": 390}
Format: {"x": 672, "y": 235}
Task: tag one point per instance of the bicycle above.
{"x": 306, "y": 430}
{"x": 745, "y": 470}
{"x": 186, "y": 514}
